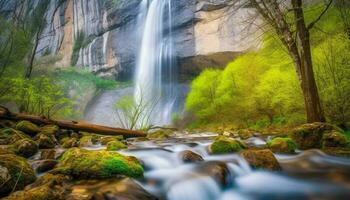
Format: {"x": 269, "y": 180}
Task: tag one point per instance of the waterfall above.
{"x": 155, "y": 76}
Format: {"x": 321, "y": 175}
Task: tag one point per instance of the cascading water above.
{"x": 155, "y": 76}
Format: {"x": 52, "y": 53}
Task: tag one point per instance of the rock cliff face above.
{"x": 103, "y": 36}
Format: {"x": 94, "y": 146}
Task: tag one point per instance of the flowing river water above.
{"x": 306, "y": 175}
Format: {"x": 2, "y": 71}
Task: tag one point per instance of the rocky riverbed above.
{"x": 310, "y": 162}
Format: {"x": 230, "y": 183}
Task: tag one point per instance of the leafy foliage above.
{"x": 73, "y": 76}
{"x": 35, "y": 96}
{"x": 14, "y": 46}
{"x": 261, "y": 88}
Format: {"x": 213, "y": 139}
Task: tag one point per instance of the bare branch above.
{"x": 312, "y": 24}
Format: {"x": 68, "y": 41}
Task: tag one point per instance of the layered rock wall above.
{"x": 207, "y": 33}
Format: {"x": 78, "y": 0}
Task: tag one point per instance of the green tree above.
{"x": 294, "y": 33}
{"x": 333, "y": 77}
{"x": 201, "y": 99}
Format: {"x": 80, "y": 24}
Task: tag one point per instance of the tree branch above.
{"x": 312, "y": 24}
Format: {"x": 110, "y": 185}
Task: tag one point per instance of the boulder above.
{"x": 216, "y": 169}
{"x": 28, "y": 128}
{"x": 25, "y": 147}
{"x": 48, "y": 154}
{"x": 334, "y": 139}
{"x": 245, "y": 133}
{"x": 105, "y": 140}
{"x": 160, "y": 134}
{"x": 224, "y": 144}
{"x": 50, "y": 130}
{"x": 83, "y": 164}
{"x": 15, "y": 173}
{"x": 124, "y": 189}
{"x": 70, "y": 142}
{"x": 189, "y": 157}
{"x": 261, "y": 159}
{"x": 46, "y": 141}
{"x": 116, "y": 145}
{"x": 5, "y": 151}
{"x": 47, "y": 187}
{"x": 7, "y": 124}
{"x": 88, "y": 140}
{"x": 10, "y": 135}
{"x": 310, "y": 136}
{"x": 44, "y": 165}
{"x": 282, "y": 145}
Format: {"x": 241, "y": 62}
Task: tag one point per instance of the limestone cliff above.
{"x": 103, "y": 36}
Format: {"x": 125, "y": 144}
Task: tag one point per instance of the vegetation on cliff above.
{"x": 261, "y": 88}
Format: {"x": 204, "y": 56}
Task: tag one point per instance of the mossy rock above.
{"x": 261, "y": 159}
{"x": 310, "y": 136}
{"x": 116, "y": 145}
{"x": 188, "y": 156}
{"x": 4, "y": 151}
{"x": 25, "y": 147}
{"x": 50, "y": 130}
{"x": 223, "y": 145}
{"x": 28, "y": 128}
{"x": 47, "y": 187}
{"x": 85, "y": 164}
{"x": 15, "y": 173}
{"x": 334, "y": 139}
{"x": 48, "y": 154}
{"x": 105, "y": 140}
{"x": 70, "y": 142}
{"x": 110, "y": 189}
{"x": 45, "y": 140}
{"x": 245, "y": 133}
{"x": 160, "y": 134}
{"x": 10, "y": 135}
{"x": 88, "y": 140}
{"x": 44, "y": 165}
{"x": 7, "y": 124}
{"x": 282, "y": 145}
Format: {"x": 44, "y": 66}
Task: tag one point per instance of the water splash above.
{"x": 155, "y": 76}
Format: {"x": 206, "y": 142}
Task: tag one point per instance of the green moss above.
{"x": 116, "y": 145}
{"x": 282, "y": 145}
{"x": 87, "y": 140}
{"x": 45, "y": 140}
{"x": 49, "y": 129}
{"x": 25, "y": 147}
{"x": 27, "y": 127}
{"x": 69, "y": 142}
{"x": 311, "y": 135}
{"x": 19, "y": 172}
{"x": 334, "y": 139}
{"x": 224, "y": 144}
{"x": 261, "y": 159}
{"x": 84, "y": 164}
{"x": 160, "y": 134}
{"x": 106, "y": 140}
{"x": 245, "y": 133}
{"x": 9, "y": 135}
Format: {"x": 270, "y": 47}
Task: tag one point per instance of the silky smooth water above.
{"x": 156, "y": 74}
{"x": 308, "y": 175}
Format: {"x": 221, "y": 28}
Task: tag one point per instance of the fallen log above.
{"x": 71, "y": 125}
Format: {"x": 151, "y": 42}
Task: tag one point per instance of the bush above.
{"x": 37, "y": 96}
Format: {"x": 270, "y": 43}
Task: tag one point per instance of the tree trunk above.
{"x": 71, "y": 125}
{"x": 313, "y": 107}
{"x": 32, "y": 55}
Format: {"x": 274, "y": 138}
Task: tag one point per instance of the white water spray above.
{"x": 155, "y": 76}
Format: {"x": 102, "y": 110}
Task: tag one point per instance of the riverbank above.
{"x": 51, "y": 163}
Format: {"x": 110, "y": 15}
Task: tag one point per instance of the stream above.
{"x": 306, "y": 175}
